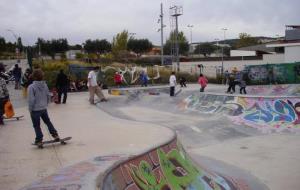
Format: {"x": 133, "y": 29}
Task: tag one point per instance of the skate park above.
{"x": 141, "y": 138}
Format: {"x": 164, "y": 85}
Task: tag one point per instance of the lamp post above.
{"x": 17, "y": 48}
{"x": 222, "y": 69}
{"x": 191, "y": 42}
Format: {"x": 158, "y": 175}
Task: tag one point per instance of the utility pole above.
{"x": 175, "y": 13}
{"x": 222, "y": 69}
{"x": 17, "y": 48}
{"x": 191, "y": 42}
{"x": 162, "y": 34}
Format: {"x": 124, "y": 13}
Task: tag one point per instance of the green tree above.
{"x": 169, "y": 47}
{"x": 97, "y": 46}
{"x": 2, "y": 44}
{"x": 139, "y": 45}
{"x": 246, "y": 40}
{"x": 120, "y": 42}
{"x": 205, "y": 49}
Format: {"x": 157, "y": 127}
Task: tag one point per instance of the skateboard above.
{"x": 61, "y": 141}
{"x": 15, "y": 117}
{"x": 176, "y": 93}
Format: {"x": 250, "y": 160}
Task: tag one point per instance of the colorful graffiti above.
{"x": 266, "y": 114}
{"x": 166, "y": 168}
{"x": 285, "y": 90}
{"x": 286, "y": 73}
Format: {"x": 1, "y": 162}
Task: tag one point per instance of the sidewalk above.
{"x": 93, "y": 133}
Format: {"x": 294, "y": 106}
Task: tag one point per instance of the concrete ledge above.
{"x": 152, "y": 90}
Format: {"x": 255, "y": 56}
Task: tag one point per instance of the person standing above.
{"x": 144, "y": 79}
{"x": 4, "y": 95}
{"x": 231, "y": 85}
{"x": 62, "y": 86}
{"x": 202, "y": 80}
{"x": 93, "y": 86}
{"x": 242, "y": 86}
{"x": 226, "y": 77}
{"x": 182, "y": 82}
{"x": 26, "y": 81}
{"x": 17, "y": 73}
{"x": 38, "y": 99}
{"x": 118, "y": 79}
{"x": 172, "y": 82}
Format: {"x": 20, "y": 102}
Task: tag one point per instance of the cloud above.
{"x": 78, "y": 20}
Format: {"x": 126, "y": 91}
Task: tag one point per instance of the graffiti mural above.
{"x": 166, "y": 168}
{"x": 285, "y": 73}
{"x": 266, "y": 114}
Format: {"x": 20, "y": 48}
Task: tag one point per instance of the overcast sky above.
{"x": 78, "y": 20}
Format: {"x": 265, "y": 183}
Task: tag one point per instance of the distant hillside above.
{"x": 233, "y": 42}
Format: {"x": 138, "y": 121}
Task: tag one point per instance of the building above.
{"x": 290, "y": 45}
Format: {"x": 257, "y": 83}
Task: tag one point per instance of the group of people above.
{"x": 202, "y": 80}
{"x": 233, "y": 79}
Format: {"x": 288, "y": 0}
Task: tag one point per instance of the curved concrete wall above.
{"x": 267, "y": 114}
{"x": 166, "y": 167}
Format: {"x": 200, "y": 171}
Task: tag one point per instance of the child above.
{"x": 242, "y": 86}
{"x": 182, "y": 81}
{"x": 172, "y": 82}
{"x": 38, "y": 99}
{"x": 203, "y": 82}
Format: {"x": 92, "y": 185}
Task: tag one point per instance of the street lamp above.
{"x": 191, "y": 32}
{"x": 16, "y": 37}
{"x": 222, "y": 69}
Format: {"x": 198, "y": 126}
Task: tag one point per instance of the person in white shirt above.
{"x": 172, "y": 82}
{"x": 93, "y": 86}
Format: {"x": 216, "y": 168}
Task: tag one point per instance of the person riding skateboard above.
{"x": 38, "y": 99}
{"x": 94, "y": 87}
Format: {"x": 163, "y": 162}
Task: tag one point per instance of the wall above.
{"x": 210, "y": 67}
{"x": 242, "y": 53}
{"x": 273, "y": 58}
{"x": 292, "y": 54}
{"x": 167, "y": 168}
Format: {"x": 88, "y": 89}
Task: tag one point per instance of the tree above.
{"x": 2, "y": 44}
{"x": 205, "y": 49}
{"x": 183, "y": 44}
{"x": 75, "y": 47}
{"x": 139, "y": 45}
{"x": 120, "y": 42}
{"x": 246, "y": 40}
{"x": 97, "y": 46}
{"x": 51, "y": 47}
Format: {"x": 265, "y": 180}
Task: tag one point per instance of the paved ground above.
{"x": 131, "y": 124}
{"x": 272, "y": 158}
{"x": 94, "y": 133}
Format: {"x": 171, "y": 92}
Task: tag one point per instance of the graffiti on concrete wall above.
{"x": 285, "y": 73}
{"x": 266, "y": 114}
{"x": 167, "y": 168}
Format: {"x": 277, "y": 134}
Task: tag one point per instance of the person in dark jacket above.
{"x": 17, "y": 72}
{"x": 62, "y": 85}
{"x": 38, "y": 99}
{"x": 182, "y": 82}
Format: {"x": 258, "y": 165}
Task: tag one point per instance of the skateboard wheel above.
{"x": 63, "y": 142}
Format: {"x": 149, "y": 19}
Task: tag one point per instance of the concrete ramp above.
{"x": 169, "y": 167}
{"x": 268, "y": 113}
